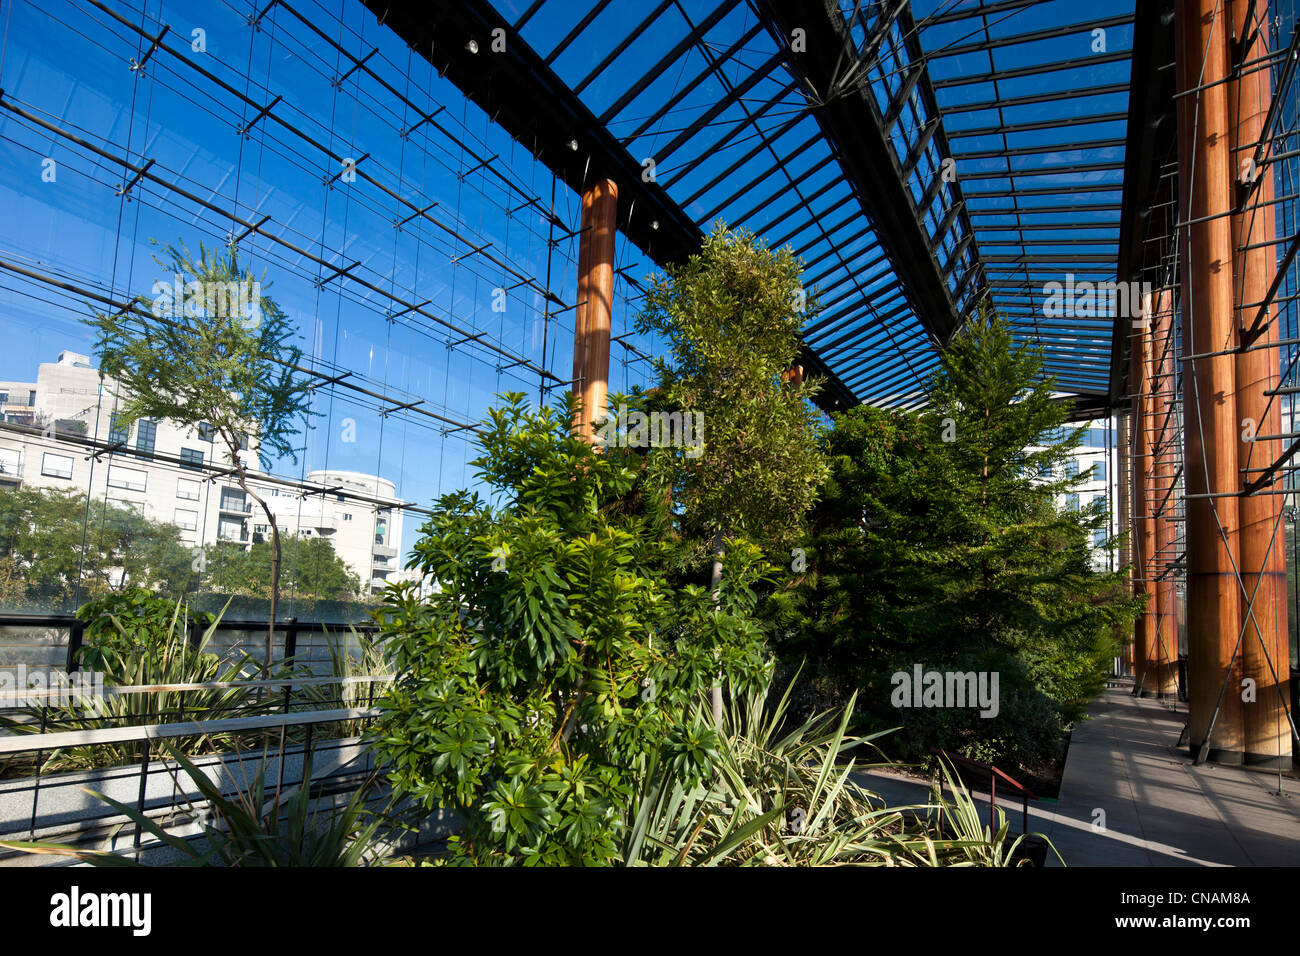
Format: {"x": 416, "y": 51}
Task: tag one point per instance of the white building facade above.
{"x": 58, "y": 433}
{"x": 1095, "y": 456}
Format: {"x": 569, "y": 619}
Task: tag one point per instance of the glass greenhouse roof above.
{"x": 1005, "y": 124}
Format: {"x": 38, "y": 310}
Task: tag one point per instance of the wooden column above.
{"x": 1144, "y": 629}
{"x": 1163, "y": 680}
{"x": 1265, "y": 655}
{"x": 1124, "y": 477}
{"x": 1209, "y": 382}
{"x": 595, "y": 301}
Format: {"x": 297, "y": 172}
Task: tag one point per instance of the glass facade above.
{"x": 427, "y": 261}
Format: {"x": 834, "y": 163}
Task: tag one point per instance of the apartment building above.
{"x": 60, "y": 432}
{"x": 1095, "y": 457}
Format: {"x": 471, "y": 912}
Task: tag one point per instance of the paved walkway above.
{"x": 1159, "y": 809}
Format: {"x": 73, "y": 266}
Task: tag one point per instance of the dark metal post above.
{"x": 144, "y": 781}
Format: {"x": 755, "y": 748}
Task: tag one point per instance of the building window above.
{"x": 1072, "y": 502}
{"x": 232, "y": 499}
{"x": 1072, "y": 468}
{"x": 346, "y": 517}
{"x": 192, "y": 458}
{"x": 4, "y": 398}
{"x": 31, "y": 398}
{"x": 187, "y": 520}
{"x": 145, "y": 437}
{"x": 230, "y": 530}
{"x": 1099, "y": 538}
{"x": 56, "y": 466}
{"x": 118, "y": 434}
{"x": 11, "y": 462}
{"x": 187, "y": 489}
{"x": 262, "y": 529}
{"x": 1099, "y": 470}
{"x": 128, "y": 478}
{"x": 206, "y": 432}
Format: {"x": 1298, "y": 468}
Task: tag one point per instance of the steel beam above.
{"x": 852, "y": 122}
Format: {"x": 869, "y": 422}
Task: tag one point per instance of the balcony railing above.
{"x": 51, "y": 805}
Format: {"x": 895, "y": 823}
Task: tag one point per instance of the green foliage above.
{"x": 225, "y": 357}
{"x": 135, "y": 621}
{"x": 939, "y": 541}
{"x": 969, "y": 840}
{"x": 532, "y": 689}
{"x": 731, "y": 319}
{"x": 787, "y": 794}
{"x": 251, "y": 827}
{"x": 51, "y": 539}
{"x": 41, "y": 540}
{"x": 310, "y": 568}
{"x": 228, "y": 367}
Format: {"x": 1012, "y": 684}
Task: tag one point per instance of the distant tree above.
{"x": 54, "y": 542}
{"x": 221, "y": 354}
{"x": 1019, "y": 568}
{"x": 312, "y": 569}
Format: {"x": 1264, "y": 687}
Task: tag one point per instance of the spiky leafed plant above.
{"x": 132, "y": 639}
{"x": 788, "y": 795}
{"x": 220, "y": 354}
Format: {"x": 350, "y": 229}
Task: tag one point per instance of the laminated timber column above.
{"x": 1210, "y": 422}
{"x": 1162, "y": 675}
{"x": 1265, "y": 656}
{"x": 1125, "y": 478}
{"x": 1144, "y": 628}
{"x": 595, "y": 300}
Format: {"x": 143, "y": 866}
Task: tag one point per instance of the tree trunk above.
{"x": 275, "y": 574}
{"x": 985, "y": 617}
{"x": 715, "y": 587}
{"x": 241, "y": 478}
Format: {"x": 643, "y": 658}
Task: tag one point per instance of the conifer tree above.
{"x": 943, "y": 538}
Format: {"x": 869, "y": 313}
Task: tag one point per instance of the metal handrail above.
{"x": 290, "y": 626}
{"x": 123, "y": 690}
{"x": 994, "y": 773}
{"x": 31, "y": 743}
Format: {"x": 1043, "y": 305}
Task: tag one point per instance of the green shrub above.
{"x": 939, "y": 540}
{"x": 785, "y": 793}
{"x": 532, "y": 690}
